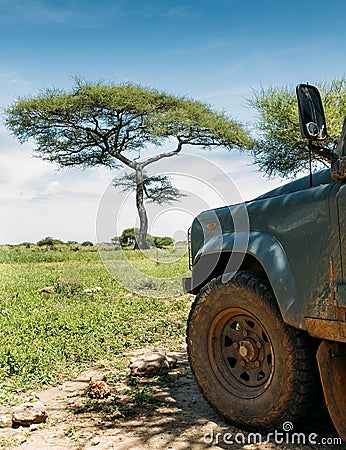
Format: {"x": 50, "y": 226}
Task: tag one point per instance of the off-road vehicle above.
{"x": 270, "y": 277}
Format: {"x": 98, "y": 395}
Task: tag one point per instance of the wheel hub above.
{"x": 246, "y": 352}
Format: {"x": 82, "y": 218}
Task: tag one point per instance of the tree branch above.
{"x": 126, "y": 161}
{"x": 163, "y": 155}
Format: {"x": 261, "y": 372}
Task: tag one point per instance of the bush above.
{"x": 49, "y": 241}
{"x": 26, "y": 244}
{"x": 162, "y": 242}
{"x": 128, "y": 239}
{"x": 87, "y": 244}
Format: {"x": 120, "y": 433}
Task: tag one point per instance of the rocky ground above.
{"x": 165, "y": 412}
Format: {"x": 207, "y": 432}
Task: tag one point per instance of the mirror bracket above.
{"x": 340, "y": 148}
{"x": 338, "y": 163}
{"x": 324, "y": 152}
{"x": 337, "y": 170}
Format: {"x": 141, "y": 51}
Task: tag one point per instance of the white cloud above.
{"x": 52, "y": 189}
{"x": 37, "y": 200}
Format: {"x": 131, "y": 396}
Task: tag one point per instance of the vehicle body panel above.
{"x": 294, "y": 234}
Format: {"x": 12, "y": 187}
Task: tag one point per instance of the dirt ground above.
{"x": 162, "y": 413}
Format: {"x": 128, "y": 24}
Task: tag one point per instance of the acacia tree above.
{"x": 279, "y": 149}
{"x": 109, "y": 124}
{"x": 155, "y": 188}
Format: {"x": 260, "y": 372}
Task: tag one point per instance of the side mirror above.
{"x": 311, "y": 115}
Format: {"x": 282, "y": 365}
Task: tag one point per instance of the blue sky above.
{"x": 216, "y": 51}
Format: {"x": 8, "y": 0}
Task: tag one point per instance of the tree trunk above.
{"x": 143, "y": 218}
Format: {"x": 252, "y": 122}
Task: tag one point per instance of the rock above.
{"x": 95, "y": 441}
{"x": 48, "y": 289}
{"x": 5, "y": 421}
{"x": 29, "y": 413}
{"x": 172, "y": 360}
{"x": 98, "y": 389}
{"x": 93, "y": 289}
{"x": 152, "y": 364}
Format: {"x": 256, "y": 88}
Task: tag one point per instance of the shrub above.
{"x": 48, "y": 241}
{"x": 163, "y": 241}
{"x": 128, "y": 239}
{"x": 87, "y": 244}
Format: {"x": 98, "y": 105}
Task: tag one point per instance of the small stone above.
{"x": 150, "y": 365}
{"x": 98, "y": 389}
{"x": 48, "y": 289}
{"x": 95, "y": 441}
{"x": 29, "y": 413}
{"x": 172, "y": 360}
{"x": 5, "y": 421}
{"x": 91, "y": 290}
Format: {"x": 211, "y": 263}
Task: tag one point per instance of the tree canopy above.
{"x": 97, "y": 123}
{"x": 279, "y": 149}
{"x": 109, "y": 124}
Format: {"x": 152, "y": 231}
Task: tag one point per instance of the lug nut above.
{"x": 242, "y": 363}
{"x": 243, "y": 351}
{"x": 258, "y": 345}
{"x": 244, "y": 333}
{"x": 257, "y": 364}
{"x": 235, "y": 345}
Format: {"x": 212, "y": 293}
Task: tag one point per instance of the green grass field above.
{"x": 46, "y": 336}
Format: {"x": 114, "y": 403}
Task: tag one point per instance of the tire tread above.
{"x": 295, "y": 402}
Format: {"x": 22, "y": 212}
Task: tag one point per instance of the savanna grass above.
{"x": 45, "y": 336}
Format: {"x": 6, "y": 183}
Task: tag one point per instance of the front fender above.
{"x": 270, "y": 255}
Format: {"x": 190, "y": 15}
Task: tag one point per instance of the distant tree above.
{"x": 108, "y": 124}
{"x": 156, "y": 189}
{"x": 163, "y": 241}
{"x": 279, "y": 150}
{"x": 49, "y": 241}
{"x": 26, "y": 244}
{"x": 128, "y": 238}
{"x": 87, "y": 244}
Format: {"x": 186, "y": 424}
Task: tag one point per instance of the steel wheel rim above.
{"x": 241, "y": 353}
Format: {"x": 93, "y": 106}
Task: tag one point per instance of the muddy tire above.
{"x": 254, "y": 369}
